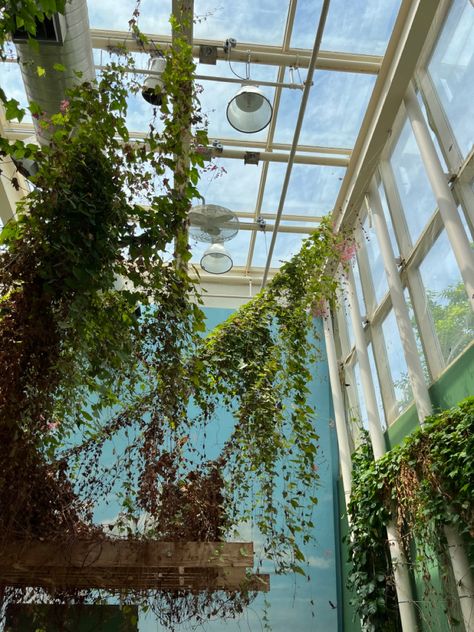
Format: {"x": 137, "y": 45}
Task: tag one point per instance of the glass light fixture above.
{"x": 249, "y": 111}
{"x": 153, "y": 84}
{"x": 216, "y": 259}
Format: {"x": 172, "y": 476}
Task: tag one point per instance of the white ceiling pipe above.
{"x": 296, "y": 136}
{"x": 75, "y": 54}
{"x": 268, "y": 55}
{"x": 240, "y": 82}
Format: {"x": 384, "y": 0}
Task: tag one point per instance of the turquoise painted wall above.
{"x": 290, "y": 596}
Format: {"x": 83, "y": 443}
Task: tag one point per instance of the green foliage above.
{"x": 423, "y": 484}
{"x": 453, "y": 319}
{"x": 25, "y": 14}
{"x": 102, "y": 212}
{"x": 257, "y": 364}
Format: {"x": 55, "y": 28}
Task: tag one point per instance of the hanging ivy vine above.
{"x": 422, "y": 484}
{"x": 93, "y": 317}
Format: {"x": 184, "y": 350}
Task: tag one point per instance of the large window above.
{"x": 451, "y": 70}
{"x": 413, "y": 186}
{"x": 446, "y": 299}
{"x": 396, "y": 361}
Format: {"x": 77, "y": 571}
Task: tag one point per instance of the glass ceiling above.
{"x": 358, "y": 30}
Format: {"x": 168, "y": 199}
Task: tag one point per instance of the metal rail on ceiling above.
{"x": 267, "y": 55}
{"x": 298, "y": 126}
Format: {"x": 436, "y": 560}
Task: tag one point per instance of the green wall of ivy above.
{"x": 455, "y": 384}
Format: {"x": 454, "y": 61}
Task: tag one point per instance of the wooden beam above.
{"x": 123, "y": 554}
{"x": 137, "y": 565}
{"x": 189, "y": 579}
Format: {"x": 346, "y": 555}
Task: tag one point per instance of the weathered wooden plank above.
{"x": 126, "y": 553}
{"x": 193, "y": 580}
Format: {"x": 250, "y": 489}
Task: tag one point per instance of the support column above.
{"x": 339, "y": 409}
{"x": 400, "y": 570}
{"x": 459, "y": 561}
{"x": 444, "y": 198}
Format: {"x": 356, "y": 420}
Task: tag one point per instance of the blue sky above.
{"x": 334, "y": 113}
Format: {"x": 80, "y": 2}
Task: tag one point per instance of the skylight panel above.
{"x": 230, "y": 183}
{"x": 110, "y": 14}
{"x": 312, "y": 190}
{"x": 246, "y": 20}
{"x": 359, "y": 26}
{"x": 336, "y": 107}
{"x": 286, "y": 245}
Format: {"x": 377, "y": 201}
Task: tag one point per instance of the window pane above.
{"x": 358, "y": 288}
{"x": 396, "y": 361}
{"x": 359, "y": 26}
{"x": 447, "y": 299}
{"x": 413, "y": 185}
{"x": 360, "y": 395}
{"x": 452, "y": 71}
{"x": 346, "y": 320}
{"x": 378, "y": 394}
{"x": 312, "y": 190}
{"x": 388, "y": 219}
{"x": 419, "y": 346}
{"x": 374, "y": 256}
{"x": 334, "y": 113}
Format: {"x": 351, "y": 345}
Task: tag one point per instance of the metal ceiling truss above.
{"x": 265, "y": 55}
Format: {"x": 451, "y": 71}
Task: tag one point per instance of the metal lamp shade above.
{"x": 153, "y": 84}
{"x": 249, "y": 111}
{"x": 216, "y": 260}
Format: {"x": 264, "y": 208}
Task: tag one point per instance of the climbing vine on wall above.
{"x": 423, "y": 484}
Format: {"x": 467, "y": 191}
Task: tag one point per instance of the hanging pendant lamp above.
{"x": 249, "y": 111}
{"x": 216, "y": 259}
{"x": 153, "y": 84}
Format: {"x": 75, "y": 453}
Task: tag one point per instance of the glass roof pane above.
{"x": 336, "y": 107}
{"x": 312, "y": 190}
{"x": 359, "y": 26}
{"x": 110, "y": 14}
{"x": 241, "y": 20}
{"x": 230, "y": 183}
{"x": 286, "y": 245}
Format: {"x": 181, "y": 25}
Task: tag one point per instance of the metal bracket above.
{"x": 251, "y": 157}
{"x": 208, "y": 55}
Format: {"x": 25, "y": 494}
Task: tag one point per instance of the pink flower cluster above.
{"x": 64, "y": 105}
{"x": 319, "y": 309}
{"x": 347, "y": 250}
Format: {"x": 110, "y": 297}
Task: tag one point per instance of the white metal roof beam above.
{"x": 260, "y": 54}
{"x": 16, "y": 130}
{"x": 303, "y": 159}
